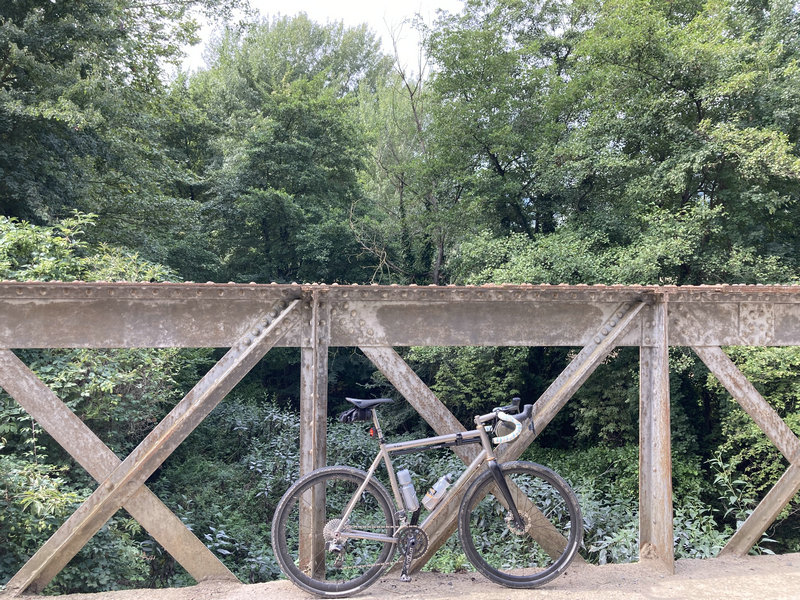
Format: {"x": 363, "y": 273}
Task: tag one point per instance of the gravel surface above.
{"x": 748, "y": 578}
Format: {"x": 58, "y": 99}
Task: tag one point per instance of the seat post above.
{"x": 378, "y": 429}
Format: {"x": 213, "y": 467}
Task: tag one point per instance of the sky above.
{"x": 384, "y": 17}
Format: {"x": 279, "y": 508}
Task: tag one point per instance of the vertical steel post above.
{"x": 655, "y": 457}
{"x": 313, "y": 427}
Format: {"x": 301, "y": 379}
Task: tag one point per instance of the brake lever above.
{"x": 514, "y": 406}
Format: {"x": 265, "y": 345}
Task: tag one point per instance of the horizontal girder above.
{"x": 115, "y": 315}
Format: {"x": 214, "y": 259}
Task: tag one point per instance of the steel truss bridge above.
{"x": 252, "y": 319}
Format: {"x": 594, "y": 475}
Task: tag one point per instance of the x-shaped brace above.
{"x": 122, "y": 482}
{"x": 778, "y": 433}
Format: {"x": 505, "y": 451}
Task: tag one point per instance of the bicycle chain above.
{"x": 332, "y": 524}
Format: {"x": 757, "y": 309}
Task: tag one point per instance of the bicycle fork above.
{"x": 497, "y": 475}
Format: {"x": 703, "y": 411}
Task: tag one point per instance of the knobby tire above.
{"x": 506, "y": 554}
{"x": 363, "y": 561}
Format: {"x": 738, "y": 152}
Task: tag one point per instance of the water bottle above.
{"x": 407, "y": 490}
{"x": 437, "y": 492}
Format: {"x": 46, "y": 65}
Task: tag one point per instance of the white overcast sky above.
{"x": 382, "y": 16}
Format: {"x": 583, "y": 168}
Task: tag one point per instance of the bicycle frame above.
{"x": 519, "y": 523}
{"x": 474, "y": 436}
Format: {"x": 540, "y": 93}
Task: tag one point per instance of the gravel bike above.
{"x": 337, "y": 529}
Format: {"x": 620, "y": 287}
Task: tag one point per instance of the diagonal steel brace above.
{"x": 93, "y": 455}
{"x": 544, "y": 410}
{"x": 776, "y": 430}
{"x": 125, "y": 480}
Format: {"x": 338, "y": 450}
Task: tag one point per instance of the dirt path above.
{"x": 749, "y": 578}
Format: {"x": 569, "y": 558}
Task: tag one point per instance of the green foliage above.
{"x": 61, "y": 253}
{"x": 35, "y": 499}
{"x": 605, "y": 409}
{"x": 471, "y": 379}
{"x": 81, "y": 85}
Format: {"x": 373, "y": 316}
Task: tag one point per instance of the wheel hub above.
{"x": 512, "y": 526}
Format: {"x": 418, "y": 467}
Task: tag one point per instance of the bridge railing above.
{"x": 251, "y": 319}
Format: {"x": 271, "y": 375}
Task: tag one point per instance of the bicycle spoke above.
{"x": 528, "y": 555}
{"x": 334, "y": 564}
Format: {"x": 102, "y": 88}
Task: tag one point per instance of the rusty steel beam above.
{"x": 131, "y": 474}
{"x": 313, "y": 430}
{"x": 41, "y": 314}
{"x": 374, "y": 318}
{"x": 655, "y": 455}
{"x": 776, "y": 430}
{"x": 93, "y": 455}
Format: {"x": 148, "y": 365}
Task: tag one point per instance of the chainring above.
{"x": 405, "y": 535}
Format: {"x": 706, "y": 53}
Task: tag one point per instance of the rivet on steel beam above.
{"x": 353, "y": 313}
{"x": 256, "y": 332}
{"x": 370, "y": 332}
{"x": 597, "y": 339}
{"x": 613, "y": 322}
{"x": 605, "y": 330}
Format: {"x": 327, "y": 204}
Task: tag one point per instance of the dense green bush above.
{"x": 35, "y": 498}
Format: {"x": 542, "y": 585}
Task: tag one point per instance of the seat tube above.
{"x": 389, "y": 468}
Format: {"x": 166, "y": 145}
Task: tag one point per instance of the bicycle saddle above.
{"x": 369, "y": 402}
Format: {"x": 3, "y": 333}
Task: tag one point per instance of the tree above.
{"x": 283, "y": 174}
{"x": 677, "y": 99}
{"x": 660, "y": 134}
{"x": 81, "y": 85}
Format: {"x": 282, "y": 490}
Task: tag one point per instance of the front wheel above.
{"x": 531, "y": 554}
{"x": 309, "y": 555}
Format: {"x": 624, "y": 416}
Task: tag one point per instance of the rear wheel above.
{"x": 539, "y": 550}
{"x": 310, "y": 555}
